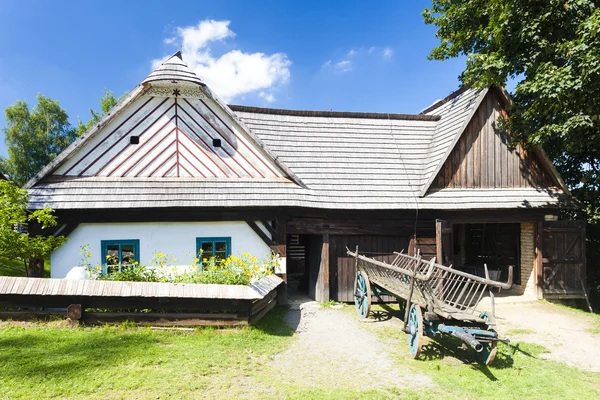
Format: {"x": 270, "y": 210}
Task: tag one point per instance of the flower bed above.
{"x": 233, "y": 270}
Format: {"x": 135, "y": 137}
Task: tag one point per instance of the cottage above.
{"x": 173, "y": 169}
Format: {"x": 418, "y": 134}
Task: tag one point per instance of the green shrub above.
{"x": 230, "y": 271}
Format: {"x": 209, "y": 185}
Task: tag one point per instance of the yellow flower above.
{"x": 201, "y": 251}
{"x": 174, "y": 260}
{"x": 269, "y": 272}
{"x": 107, "y": 256}
{"x": 196, "y": 259}
{"x": 89, "y": 254}
{"x": 97, "y": 267}
{"x": 204, "y": 260}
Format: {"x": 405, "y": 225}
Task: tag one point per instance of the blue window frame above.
{"x": 117, "y": 253}
{"x": 218, "y": 247}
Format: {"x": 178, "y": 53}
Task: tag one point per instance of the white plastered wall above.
{"x": 177, "y": 239}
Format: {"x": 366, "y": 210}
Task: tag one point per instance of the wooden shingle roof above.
{"x": 173, "y": 69}
{"x": 322, "y": 159}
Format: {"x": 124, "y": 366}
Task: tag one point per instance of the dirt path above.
{"x": 332, "y": 350}
{"x": 563, "y": 332}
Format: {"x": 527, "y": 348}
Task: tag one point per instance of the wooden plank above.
{"x": 538, "y": 268}
{"x": 469, "y": 156}
{"x": 463, "y": 161}
{"x": 439, "y": 240}
{"x": 476, "y": 150}
{"x": 491, "y": 151}
{"x": 260, "y": 233}
{"x": 483, "y": 133}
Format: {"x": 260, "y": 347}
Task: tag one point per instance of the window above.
{"x": 116, "y": 253}
{"x": 218, "y": 247}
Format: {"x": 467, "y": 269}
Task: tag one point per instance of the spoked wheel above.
{"x": 362, "y": 294}
{"x": 487, "y": 355}
{"x": 415, "y": 327}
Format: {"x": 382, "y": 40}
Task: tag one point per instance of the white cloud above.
{"x": 234, "y": 73}
{"x": 343, "y": 66}
{"x": 352, "y": 53}
{"x": 268, "y": 97}
{"x": 371, "y": 49}
{"x": 388, "y": 52}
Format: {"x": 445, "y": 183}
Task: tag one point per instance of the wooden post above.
{"x": 280, "y": 247}
{"x": 538, "y": 268}
{"x": 74, "y": 311}
{"x": 322, "y": 289}
{"x": 439, "y": 240}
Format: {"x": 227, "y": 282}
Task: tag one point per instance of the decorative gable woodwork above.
{"x": 482, "y": 157}
{"x": 171, "y": 131}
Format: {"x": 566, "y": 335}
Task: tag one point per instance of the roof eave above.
{"x": 80, "y": 141}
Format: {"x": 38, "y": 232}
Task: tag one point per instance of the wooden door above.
{"x": 342, "y": 268}
{"x": 563, "y": 259}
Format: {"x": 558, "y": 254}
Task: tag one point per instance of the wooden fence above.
{"x": 160, "y": 304}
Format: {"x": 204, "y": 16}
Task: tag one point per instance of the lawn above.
{"x": 48, "y": 360}
{"x": 129, "y": 362}
{"x": 523, "y": 375}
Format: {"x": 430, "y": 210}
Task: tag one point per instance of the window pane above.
{"x": 112, "y": 254}
{"x": 221, "y": 246}
{"x": 207, "y": 248}
{"x": 127, "y": 254}
{"x": 220, "y": 255}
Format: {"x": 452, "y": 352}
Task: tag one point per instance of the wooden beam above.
{"x": 538, "y": 267}
{"x": 260, "y": 233}
{"x": 322, "y": 287}
{"x": 439, "y": 240}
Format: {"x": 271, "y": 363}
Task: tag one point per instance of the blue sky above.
{"x": 344, "y": 56}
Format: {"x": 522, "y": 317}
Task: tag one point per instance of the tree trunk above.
{"x": 36, "y": 267}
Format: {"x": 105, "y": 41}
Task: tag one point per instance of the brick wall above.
{"x": 527, "y": 286}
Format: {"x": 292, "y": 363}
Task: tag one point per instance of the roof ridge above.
{"x": 446, "y": 99}
{"x": 333, "y": 114}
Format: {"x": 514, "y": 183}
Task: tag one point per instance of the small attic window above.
{"x": 216, "y": 142}
{"x": 134, "y": 140}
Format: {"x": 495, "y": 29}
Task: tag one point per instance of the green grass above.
{"x": 459, "y": 376}
{"x": 124, "y": 362}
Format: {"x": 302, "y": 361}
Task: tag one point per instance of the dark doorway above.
{"x": 497, "y": 245}
{"x": 297, "y": 263}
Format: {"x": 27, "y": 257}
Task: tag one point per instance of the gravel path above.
{"x": 332, "y": 350}
{"x": 563, "y": 332}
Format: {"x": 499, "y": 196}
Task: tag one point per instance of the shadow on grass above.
{"x": 280, "y": 321}
{"x": 61, "y": 354}
{"x": 387, "y": 313}
{"x": 440, "y": 347}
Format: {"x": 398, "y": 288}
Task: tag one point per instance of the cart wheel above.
{"x": 415, "y": 326}
{"x": 487, "y": 355}
{"x": 362, "y": 294}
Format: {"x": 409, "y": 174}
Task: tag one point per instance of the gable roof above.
{"x": 325, "y": 159}
{"x": 144, "y": 110}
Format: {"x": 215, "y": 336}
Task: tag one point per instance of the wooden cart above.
{"x": 436, "y": 300}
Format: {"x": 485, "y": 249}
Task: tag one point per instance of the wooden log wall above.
{"x": 483, "y": 158}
